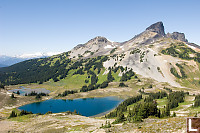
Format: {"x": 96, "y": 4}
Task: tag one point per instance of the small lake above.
{"x": 86, "y": 107}
{"x": 22, "y": 90}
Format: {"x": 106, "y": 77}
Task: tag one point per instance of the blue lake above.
{"x": 86, "y": 107}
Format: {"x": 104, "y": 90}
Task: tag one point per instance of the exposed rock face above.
{"x": 177, "y": 36}
{"x": 98, "y": 39}
{"x": 194, "y": 45}
{"x": 79, "y": 46}
{"x": 157, "y": 27}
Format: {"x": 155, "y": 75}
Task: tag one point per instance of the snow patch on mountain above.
{"x": 109, "y": 46}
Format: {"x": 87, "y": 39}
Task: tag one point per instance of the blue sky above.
{"x": 29, "y": 26}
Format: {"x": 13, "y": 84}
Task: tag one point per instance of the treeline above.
{"x": 174, "y": 98}
{"x": 123, "y": 106}
{"x": 67, "y": 92}
{"x": 143, "y": 110}
{"x": 37, "y": 95}
{"x": 148, "y": 107}
{"x": 182, "y": 51}
{"x": 94, "y": 80}
{"x": 175, "y": 73}
{"x": 42, "y": 70}
{"x": 33, "y": 93}
{"x": 183, "y": 75}
{"x": 157, "y": 95}
{"x": 23, "y": 112}
{"x": 127, "y": 75}
{"x": 34, "y": 71}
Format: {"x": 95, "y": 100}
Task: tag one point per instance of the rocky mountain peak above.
{"x": 98, "y": 39}
{"x": 177, "y": 36}
{"x": 157, "y": 27}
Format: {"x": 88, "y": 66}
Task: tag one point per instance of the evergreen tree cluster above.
{"x": 115, "y": 69}
{"x": 33, "y": 93}
{"x": 37, "y": 95}
{"x": 13, "y": 114}
{"x": 2, "y": 86}
{"x": 34, "y": 71}
{"x": 90, "y": 87}
{"x": 44, "y": 69}
{"x": 168, "y": 89}
{"x": 181, "y": 70}
{"x": 23, "y": 112}
{"x": 143, "y": 110}
{"x": 104, "y": 84}
{"x": 67, "y": 92}
{"x": 79, "y": 71}
{"x": 174, "y": 98}
{"x": 107, "y": 125}
{"x": 123, "y": 106}
{"x": 94, "y": 80}
{"x": 181, "y": 51}
{"x": 174, "y": 72}
{"x": 157, "y": 95}
{"x": 96, "y": 62}
{"x": 127, "y": 76}
{"x": 110, "y": 78}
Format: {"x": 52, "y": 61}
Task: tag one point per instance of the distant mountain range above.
{"x": 10, "y": 60}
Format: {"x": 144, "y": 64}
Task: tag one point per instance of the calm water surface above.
{"x": 86, "y": 107}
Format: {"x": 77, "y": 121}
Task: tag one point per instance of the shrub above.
{"x": 122, "y": 85}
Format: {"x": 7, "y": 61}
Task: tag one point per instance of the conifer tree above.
{"x": 167, "y": 110}
{"x": 13, "y": 114}
{"x": 12, "y": 96}
{"x": 110, "y": 78}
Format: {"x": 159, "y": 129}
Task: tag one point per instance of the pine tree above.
{"x": 2, "y": 86}
{"x": 18, "y": 92}
{"x": 38, "y": 96}
{"x": 174, "y": 114}
{"x": 94, "y": 79}
{"x": 12, "y": 96}
{"x": 13, "y": 114}
{"x": 110, "y": 78}
{"x": 159, "y": 114}
{"x": 109, "y": 125}
{"x": 167, "y": 113}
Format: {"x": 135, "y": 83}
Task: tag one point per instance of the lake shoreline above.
{"x": 106, "y": 112}
{"x": 76, "y": 104}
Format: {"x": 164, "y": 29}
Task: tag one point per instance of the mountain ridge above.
{"x": 142, "y": 54}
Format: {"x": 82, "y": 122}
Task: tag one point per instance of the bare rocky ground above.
{"x": 51, "y": 123}
{"x": 61, "y": 122}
